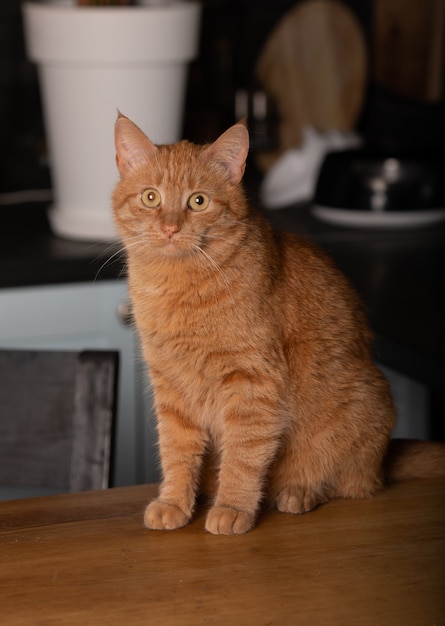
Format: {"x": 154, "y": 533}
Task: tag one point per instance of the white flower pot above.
{"x": 93, "y": 61}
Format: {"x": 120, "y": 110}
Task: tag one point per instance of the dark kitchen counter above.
{"x": 398, "y": 273}
{"x": 31, "y": 255}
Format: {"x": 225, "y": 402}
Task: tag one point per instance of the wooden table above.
{"x": 86, "y": 559}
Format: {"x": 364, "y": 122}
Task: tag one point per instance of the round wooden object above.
{"x": 314, "y": 66}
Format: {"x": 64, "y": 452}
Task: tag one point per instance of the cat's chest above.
{"x": 191, "y": 321}
{"x": 181, "y": 323}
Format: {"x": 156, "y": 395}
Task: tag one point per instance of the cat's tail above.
{"x": 407, "y": 459}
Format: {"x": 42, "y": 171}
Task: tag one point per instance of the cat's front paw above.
{"x": 224, "y": 520}
{"x": 161, "y": 516}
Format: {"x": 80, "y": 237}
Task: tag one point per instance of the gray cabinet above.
{"x": 88, "y": 316}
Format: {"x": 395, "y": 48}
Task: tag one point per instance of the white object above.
{"x": 93, "y": 61}
{"x": 378, "y": 219}
{"x": 293, "y": 177}
{"x": 413, "y": 405}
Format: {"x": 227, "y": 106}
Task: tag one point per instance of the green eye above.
{"x": 198, "y": 202}
{"x": 151, "y": 198}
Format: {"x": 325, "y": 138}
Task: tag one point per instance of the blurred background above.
{"x": 372, "y": 69}
{"x": 401, "y": 100}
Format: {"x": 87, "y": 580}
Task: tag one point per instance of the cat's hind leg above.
{"x": 306, "y": 476}
{"x": 298, "y": 499}
{"x": 296, "y": 483}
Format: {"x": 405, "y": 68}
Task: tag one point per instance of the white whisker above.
{"x": 217, "y": 271}
{"x": 107, "y": 261}
{"x": 121, "y": 250}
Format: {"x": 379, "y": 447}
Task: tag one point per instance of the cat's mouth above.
{"x": 174, "y": 246}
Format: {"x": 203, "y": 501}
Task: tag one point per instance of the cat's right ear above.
{"x": 133, "y": 147}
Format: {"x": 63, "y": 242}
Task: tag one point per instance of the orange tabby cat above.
{"x": 257, "y": 346}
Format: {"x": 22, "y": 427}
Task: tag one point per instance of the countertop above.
{"x": 31, "y": 255}
{"x": 398, "y": 273}
{"x": 86, "y": 558}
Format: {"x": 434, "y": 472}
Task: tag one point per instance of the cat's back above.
{"x": 315, "y": 295}
{"x": 307, "y": 266}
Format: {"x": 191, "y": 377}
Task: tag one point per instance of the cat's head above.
{"x": 173, "y": 199}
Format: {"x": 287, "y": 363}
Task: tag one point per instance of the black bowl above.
{"x": 359, "y": 188}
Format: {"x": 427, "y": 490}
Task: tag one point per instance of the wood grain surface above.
{"x": 86, "y": 559}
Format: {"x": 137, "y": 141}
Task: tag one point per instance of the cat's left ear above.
{"x": 231, "y": 149}
{"x": 133, "y": 147}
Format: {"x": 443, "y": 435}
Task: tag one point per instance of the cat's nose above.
{"x": 170, "y": 229}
